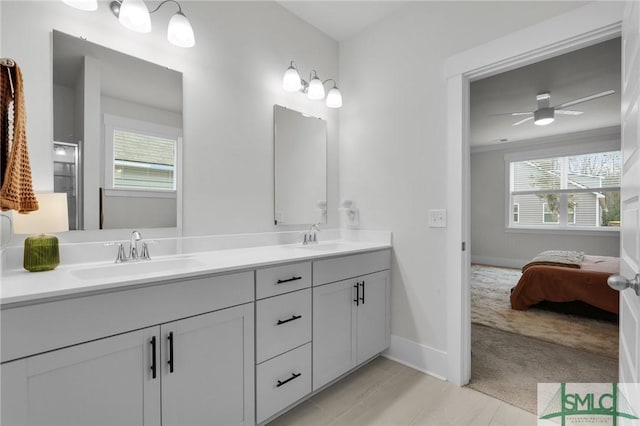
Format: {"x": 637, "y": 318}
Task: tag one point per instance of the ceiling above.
{"x": 341, "y": 20}
{"x": 567, "y": 77}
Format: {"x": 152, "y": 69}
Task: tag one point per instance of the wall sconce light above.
{"x": 314, "y": 88}
{"x": 134, "y": 15}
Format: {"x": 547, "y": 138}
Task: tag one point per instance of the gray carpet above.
{"x": 508, "y": 366}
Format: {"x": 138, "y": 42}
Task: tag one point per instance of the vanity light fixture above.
{"x": 314, "y": 88}
{"x": 134, "y": 15}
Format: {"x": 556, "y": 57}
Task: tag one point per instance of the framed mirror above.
{"x": 117, "y": 137}
{"x": 300, "y": 168}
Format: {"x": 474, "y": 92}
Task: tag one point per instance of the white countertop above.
{"x": 23, "y": 287}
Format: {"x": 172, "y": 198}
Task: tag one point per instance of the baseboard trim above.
{"x": 418, "y": 356}
{"x": 505, "y": 262}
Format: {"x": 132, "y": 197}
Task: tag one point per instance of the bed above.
{"x": 578, "y": 280}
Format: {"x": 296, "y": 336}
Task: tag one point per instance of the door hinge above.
{"x": 464, "y": 245}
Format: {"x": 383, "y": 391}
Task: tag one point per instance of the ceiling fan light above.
{"x": 180, "y": 32}
{"x": 543, "y": 116}
{"x": 135, "y": 16}
{"x": 88, "y": 5}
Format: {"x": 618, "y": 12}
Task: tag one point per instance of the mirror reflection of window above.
{"x": 65, "y": 178}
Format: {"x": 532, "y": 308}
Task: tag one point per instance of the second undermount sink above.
{"x": 329, "y": 246}
{"x": 131, "y": 269}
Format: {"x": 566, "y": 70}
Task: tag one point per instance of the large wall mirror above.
{"x": 117, "y": 137}
{"x": 300, "y": 151}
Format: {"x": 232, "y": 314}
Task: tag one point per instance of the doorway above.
{"x": 588, "y": 25}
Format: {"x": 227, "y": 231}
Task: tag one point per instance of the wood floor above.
{"x": 387, "y": 393}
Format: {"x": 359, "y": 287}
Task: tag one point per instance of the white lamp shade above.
{"x": 180, "y": 32}
{"x": 316, "y": 89}
{"x": 291, "y": 80}
{"x": 88, "y": 5}
{"x": 334, "y": 98}
{"x": 135, "y": 16}
{"x": 52, "y": 216}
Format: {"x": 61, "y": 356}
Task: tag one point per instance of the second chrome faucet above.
{"x": 134, "y": 253}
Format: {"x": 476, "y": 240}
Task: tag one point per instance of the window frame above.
{"x": 572, "y": 147}
{"x": 515, "y": 211}
{"x": 114, "y": 122}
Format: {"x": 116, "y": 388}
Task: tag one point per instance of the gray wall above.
{"x": 491, "y": 243}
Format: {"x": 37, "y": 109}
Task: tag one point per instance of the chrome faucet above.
{"x": 133, "y": 245}
{"x": 311, "y": 237}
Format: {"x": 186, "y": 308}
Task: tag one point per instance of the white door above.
{"x": 372, "y": 318}
{"x": 105, "y": 382}
{"x": 208, "y": 369}
{"x": 333, "y": 331}
{"x": 629, "y": 369}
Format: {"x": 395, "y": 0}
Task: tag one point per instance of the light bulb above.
{"x": 135, "y": 16}
{"x": 543, "y": 116}
{"x": 316, "y": 89}
{"x": 180, "y": 32}
{"x": 291, "y": 80}
{"x": 543, "y": 121}
{"x": 334, "y": 98}
{"x": 88, "y": 5}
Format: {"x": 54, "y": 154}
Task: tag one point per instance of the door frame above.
{"x": 582, "y": 27}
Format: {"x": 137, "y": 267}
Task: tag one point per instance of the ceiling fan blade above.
{"x": 568, "y": 112}
{"x": 522, "y": 121}
{"x": 511, "y": 113}
{"x": 587, "y": 98}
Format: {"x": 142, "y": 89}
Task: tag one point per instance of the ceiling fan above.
{"x": 545, "y": 114}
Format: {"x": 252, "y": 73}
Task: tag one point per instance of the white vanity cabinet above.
{"x": 351, "y": 318}
{"x": 283, "y": 337}
{"x": 193, "y": 370}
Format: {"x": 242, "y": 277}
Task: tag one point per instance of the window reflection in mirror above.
{"x": 111, "y": 108}
{"x": 300, "y": 151}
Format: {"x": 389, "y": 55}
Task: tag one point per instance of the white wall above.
{"x": 392, "y": 145}
{"x": 231, "y": 80}
{"x": 490, "y": 242}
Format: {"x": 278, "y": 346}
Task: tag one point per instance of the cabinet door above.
{"x": 373, "y": 329}
{"x": 212, "y": 382}
{"x": 105, "y": 382}
{"x": 333, "y": 331}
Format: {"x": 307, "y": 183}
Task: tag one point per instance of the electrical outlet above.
{"x": 437, "y": 218}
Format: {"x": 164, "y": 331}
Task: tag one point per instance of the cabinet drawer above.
{"x": 283, "y": 380}
{"x": 342, "y": 268}
{"x": 282, "y": 323}
{"x": 282, "y": 279}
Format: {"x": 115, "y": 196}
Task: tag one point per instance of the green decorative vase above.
{"x": 41, "y": 253}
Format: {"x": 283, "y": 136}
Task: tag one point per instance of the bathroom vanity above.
{"x": 221, "y": 337}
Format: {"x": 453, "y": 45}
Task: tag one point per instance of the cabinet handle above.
{"x": 153, "y": 357}
{"x": 170, "y": 360}
{"x": 293, "y": 376}
{"x": 293, "y": 318}
{"x": 362, "y": 298}
{"x": 289, "y": 280}
{"x": 357, "y": 299}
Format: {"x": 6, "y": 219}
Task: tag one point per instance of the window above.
{"x": 571, "y": 192}
{"x": 141, "y": 156}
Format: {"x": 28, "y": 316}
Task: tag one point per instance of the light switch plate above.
{"x": 437, "y": 218}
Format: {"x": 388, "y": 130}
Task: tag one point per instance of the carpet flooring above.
{"x": 508, "y": 366}
{"x": 490, "y": 306}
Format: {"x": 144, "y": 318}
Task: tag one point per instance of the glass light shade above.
{"x": 135, "y": 16}
{"x": 88, "y": 5}
{"x": 334, "y": 98}
{"x": 180, "y": 32}
{"x": 543, "y": 116}
{"x": 52, "y": 215}
{"x": 316, "y": 89}
{"x": 291, "y": 80}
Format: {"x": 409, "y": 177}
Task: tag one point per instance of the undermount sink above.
{"x": 324, "y": 246}
{"x": 136, "y": 268}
